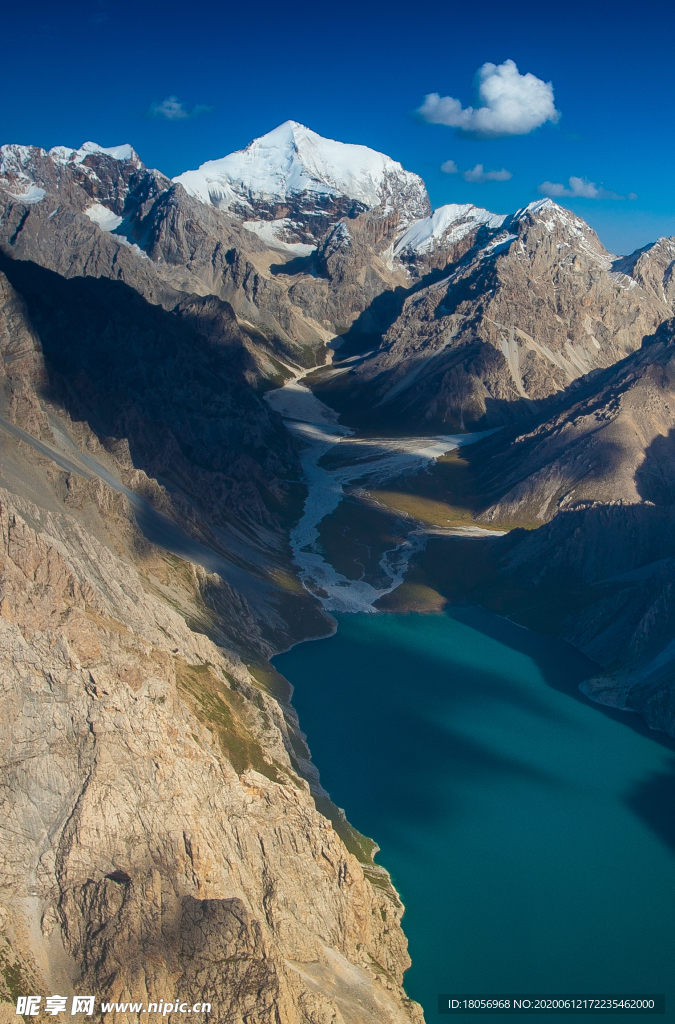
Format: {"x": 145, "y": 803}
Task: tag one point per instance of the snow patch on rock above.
{"x": 105, "y": 218}
{"x": 269, "y": 232}
{"x": 34, "y": 194}
{"x": 65, "y": 155}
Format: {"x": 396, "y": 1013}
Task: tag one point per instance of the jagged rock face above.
{"x": 356, "y": 265}
{"x": 476, "y": 347}
{"x": 532, "y": 306}
{"x": 102, "y": 214}
{"x": 652, "y": 268}
{"x": 118, "y": 392}
{"x": 443, "y": 237}
{"x": 104, "y": 175}
{"x": 158, "y": 839}
{"x": 168, "y": 842}
{"x": 55, "y": 232}
{"x": 116, "y": 361}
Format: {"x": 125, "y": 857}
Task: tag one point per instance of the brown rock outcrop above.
{"x": 599, "y": 473}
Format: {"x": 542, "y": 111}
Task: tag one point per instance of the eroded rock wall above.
{"x": 157, "y": 839}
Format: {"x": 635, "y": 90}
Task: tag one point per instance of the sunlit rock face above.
{"x": 162, "y": 839}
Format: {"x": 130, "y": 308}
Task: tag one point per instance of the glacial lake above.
{"x": 530, "y": 832}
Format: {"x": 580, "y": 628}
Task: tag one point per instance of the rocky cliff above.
{"x": 160, "y": 836}
{"x": 158, "y": 839}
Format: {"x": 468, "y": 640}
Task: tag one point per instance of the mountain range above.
{"x": 147, "y": 496}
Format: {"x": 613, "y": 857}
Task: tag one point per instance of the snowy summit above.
{"x": 293, "y": 162}
{"x": 446, "y": 225}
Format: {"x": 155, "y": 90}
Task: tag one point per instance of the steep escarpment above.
{"x": 605, "y": 440}
{"x": 158, "y": 838}
{"x": 131, "y": 395}
{"x": 160, "y": 834}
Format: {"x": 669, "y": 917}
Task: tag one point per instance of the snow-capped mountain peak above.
{"x": 65, "y": 155}
{"x": 446, "y": 225}
{"x": 31, "y": 163}
{"x": 102, "y": 175}
{"x": 292, "y": 163}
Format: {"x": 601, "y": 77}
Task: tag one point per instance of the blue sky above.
{"x": 357, "y": 72}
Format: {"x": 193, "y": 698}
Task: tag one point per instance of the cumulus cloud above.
{"x": 579, "y": 188}
{"x": 172, "y": 109}
{"x": 450, "y": 167}
{"x": 478, "y": 176}
{"x": 510, "y": 104}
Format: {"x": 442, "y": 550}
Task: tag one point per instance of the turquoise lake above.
{"x": 530, "y": 832}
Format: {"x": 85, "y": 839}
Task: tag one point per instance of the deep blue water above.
{"x": 530, "y": 832}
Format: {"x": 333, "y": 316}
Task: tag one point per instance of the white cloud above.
{"x": 580, "y": 188}
{"x": 510, "y": 104}
{"x": 478, "y": 176}
{"x": 172, "y": 109}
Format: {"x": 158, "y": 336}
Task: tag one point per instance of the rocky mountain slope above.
{"x": 606, "y": 440}
{"x": 602, "y": 469}
{"x": 158, "y": 839}
{"x": 145, "y": 489}
{"x": 296, "y": 232}
{"x": 533, "y": 303}
{"x": 595, "y": 474}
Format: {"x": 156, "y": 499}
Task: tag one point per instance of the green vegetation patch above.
{"x": 358, "y": 845}
{"x": 425, "y": 510}
{"x": 271, "y": 681}
{"x": 16, "y": 978}
{"x": 223, "y": 711}
{"x": 412, "y": 597}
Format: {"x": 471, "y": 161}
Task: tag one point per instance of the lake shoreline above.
{"x": 454, "y": 710}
